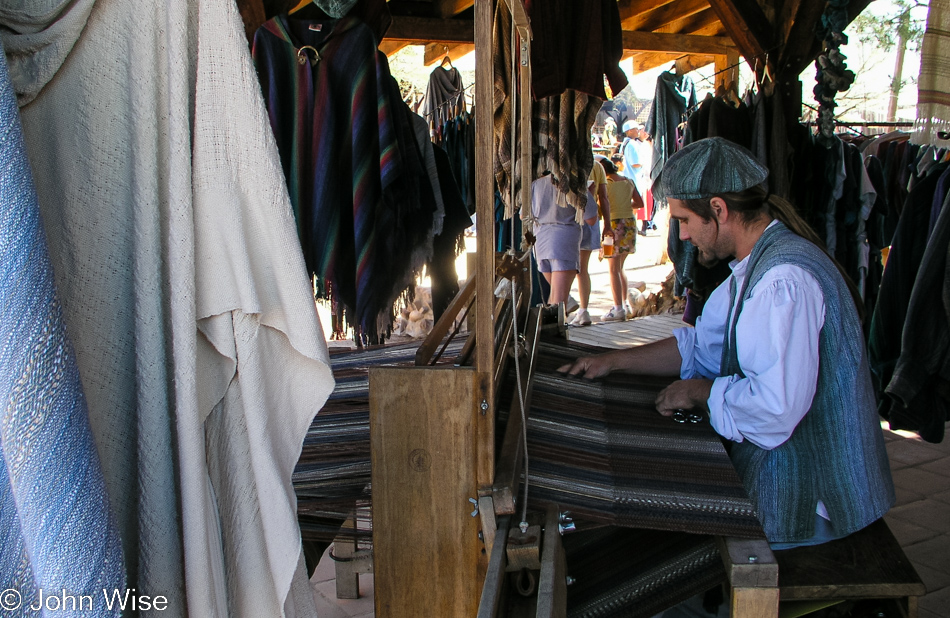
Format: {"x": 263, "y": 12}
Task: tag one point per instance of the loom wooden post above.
{"x": 347, "y": 578}
{"x": 426, "y": 551}
{"x": 485, "y": 240}
{"x": 495, "y": 577}
{"x": 752, "y": 572}
{"x": 552, "y": 583}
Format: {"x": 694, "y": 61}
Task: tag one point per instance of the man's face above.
{"x": 703, "y": 234}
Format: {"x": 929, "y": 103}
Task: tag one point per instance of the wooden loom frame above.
{"x": 437, "y": 491}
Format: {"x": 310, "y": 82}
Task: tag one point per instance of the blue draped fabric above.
{"x": 59, "y": 546}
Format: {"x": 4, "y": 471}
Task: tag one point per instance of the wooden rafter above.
{"x": 436, "y": 52}
{"x": 663, "y": 15}
{"x": 420, "y": 30}
{"x": 747, "y": 25}
{"x": 391, "y": 47}
{"x": 450, "y": 8}
{"x": 693, "y": 24}
{"x": 650, "y": 60}
{"x": 629, "y": 9}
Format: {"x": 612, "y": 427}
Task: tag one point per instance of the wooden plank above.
{"x": 651, "y": 20}
{"x": 423, "y": 474}
{"x": 436, "y": 52}
{"x": 485, "y": 237}
{"x": 867, "y": 564}
{"x": 495, "y": 576}
{"x": 683, "y": 43}
{"x": 747, "y": 25}
{"x": 421, "y": 30}
{"x": 552, "y": 582}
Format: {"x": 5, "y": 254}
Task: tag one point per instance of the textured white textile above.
{"x": 37, "y": 36}
{"x": 185, "y": 293}
{"x": 933, "y": 81}
{"x": 777, "y": 343}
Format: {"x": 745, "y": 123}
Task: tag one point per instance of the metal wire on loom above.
{"x": 517, "y": 351}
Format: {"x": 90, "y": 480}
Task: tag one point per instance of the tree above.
{"x": 901, "y": 26}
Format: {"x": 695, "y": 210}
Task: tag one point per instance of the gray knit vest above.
{"x": 836, "y": 454}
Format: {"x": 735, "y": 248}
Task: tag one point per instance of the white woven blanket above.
{"x": 184, "y": 292}
{"x": 933, "y": 83}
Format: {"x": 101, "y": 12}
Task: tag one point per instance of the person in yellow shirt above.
{"x": 624, "y": 200}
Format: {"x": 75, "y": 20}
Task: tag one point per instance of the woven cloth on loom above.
{"x": 601, "y": 450}
{"x": 933, "y": 84}
{"x": 633, "y": 573}
{"x": 332, "y": 476}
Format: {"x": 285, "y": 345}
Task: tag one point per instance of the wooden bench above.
{"x": 868, "y": 564}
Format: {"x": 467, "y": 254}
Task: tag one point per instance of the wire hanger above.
{"x": 446, "y": 61}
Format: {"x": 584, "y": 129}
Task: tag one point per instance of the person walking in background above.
{"x": 590, "y": 240}
{"x": 643, "y": 181}
{"x": 630, "y": 151}
{"x": 558, "y": 236}
{"x": 624, "y": 199}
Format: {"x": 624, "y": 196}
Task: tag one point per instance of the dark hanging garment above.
{"x": 674, "y": 95}
{"x": 919, "y": 389}
{"x": 445, "y": 283}
{"x": 575, "y": 44}
{"x": 890, "y": 313}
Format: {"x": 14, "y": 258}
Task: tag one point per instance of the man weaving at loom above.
{"x": 777, "y": 359}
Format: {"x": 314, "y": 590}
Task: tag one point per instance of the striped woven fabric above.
{"x": 332, "y": 476}
{"x": 601, "y": 450}
{"x": 629, "y": 573}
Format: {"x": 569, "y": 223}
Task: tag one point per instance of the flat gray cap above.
{"x": 708, "y": 167}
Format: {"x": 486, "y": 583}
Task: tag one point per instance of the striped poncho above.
{"x": 336, "y": 113}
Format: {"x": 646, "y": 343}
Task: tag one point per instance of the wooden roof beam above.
{"x": 391, "y": 47}
{"x": 800, "y": 45}
{"x": 450, "y": 8}
{"x": 651, "y": 60}
{"x": 663, "y": 15}
{"x": 681, "y": 43}
{"x": 747, "y": 25}
{"x": 436, "y": 52}
{"x": 423, "y": 30}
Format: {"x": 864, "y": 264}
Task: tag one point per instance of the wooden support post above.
{"x": 753, "y": 577}
{"x": 485, "y": 241}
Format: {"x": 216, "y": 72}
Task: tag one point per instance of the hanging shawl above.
{"x": 674, "y": 95}
{"x": 185, "y": 294}
{"x": 444, "y": 99}
{"x": 56, "y": 529}
{"x": 561, "y": 131}
{"x": 933, "y": 84}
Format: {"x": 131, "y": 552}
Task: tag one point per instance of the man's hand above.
{"x": 589, "y": 367}
{"x": 683, "y": 395}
